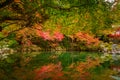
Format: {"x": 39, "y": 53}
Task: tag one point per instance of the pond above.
{"x": 58, "y": 65}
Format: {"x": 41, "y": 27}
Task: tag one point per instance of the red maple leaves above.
{"x": 52, "y": 71}
{"x": 58, "y": 36}
{"x": 115, "y": 34}
{"x": 45, "y": 35}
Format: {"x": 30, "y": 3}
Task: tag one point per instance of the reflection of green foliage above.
{"x": 66, "y": 59}
{"x": 40, "y": 59}
{"x": 107, "y": 57}
{"x": 101, "y": 73}
{"x": 15, "y": 63}
{"x": 7, "y": 64}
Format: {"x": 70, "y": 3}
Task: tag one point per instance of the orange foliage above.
{"x": 24, "y": 37}
{"x": 83, "y": 66}
{"x": 80, "y": 36}
{"x": 5, "y": 32}
{"x": 17, "y": 0}
{"x": 37, "y": 14}
{"x": 82, "y": 69}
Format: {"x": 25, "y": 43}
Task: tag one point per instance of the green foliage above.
{"x": 104, "y": 74}
{"x": 12, "y": 43}
{"x": 1, "y": 35}
{"x": 5, "y": 13}
{"x": 7, "y": 64}
{"x": 13, "y": 67}
{"x": 11, "y": 36}
{"x": 115, "y": 15}
{"x": 69, "y": 16}
{"x": 80, "y": 17}
{"x": 40, "y": 59}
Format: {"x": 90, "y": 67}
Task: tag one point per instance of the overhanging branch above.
{"x": 69, "y": 8}
{"x": 7, "y": 2}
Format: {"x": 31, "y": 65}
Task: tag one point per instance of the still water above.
{"x": 71, "y": 61}
{"x": 59, "y": 65}
{"x": 65, "y": 57}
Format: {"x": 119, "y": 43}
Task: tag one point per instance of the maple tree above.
{"x": 80, "y": 36}
{"x": 73, "y": 16}
{"x": 115, "y": 34}
{"x": 28, "y": 12}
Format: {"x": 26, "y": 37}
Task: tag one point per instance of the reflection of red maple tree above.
{"x": 52, "y": 71}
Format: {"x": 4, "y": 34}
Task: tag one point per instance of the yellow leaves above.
{"x": 26, "y": 32}
{"x": 37, "y": 26}
{"x": 84, "y": 66}
{"x": 54, "y": 57}
{"x": 72, "y": 66}
{"x": 108, "y": 31}
{"x": 87, "y": 15}
{"x": 5, "y": 32}
{"x": 10, "y": 29}
{"x": 93, "y": 63}
{"x": 17, "y": 1}
{"x": 75, "y": 20}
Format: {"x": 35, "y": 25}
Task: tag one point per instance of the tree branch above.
{"x": 5, "y": 18}
{"x": 12, "y": 32}
{"x": 70, "y": 8}
{"x": 7, "y": 2}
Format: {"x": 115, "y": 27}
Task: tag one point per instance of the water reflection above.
{"x": 68, "y": 63}
{"x": 65, "y": 57}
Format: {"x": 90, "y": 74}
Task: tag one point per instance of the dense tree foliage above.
{"x": 67, "y": 16}
{"x": 55, "y": 26}
{"x": 78, "y": 13}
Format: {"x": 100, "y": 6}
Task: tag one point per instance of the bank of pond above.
{"x": 60, "y": 65}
